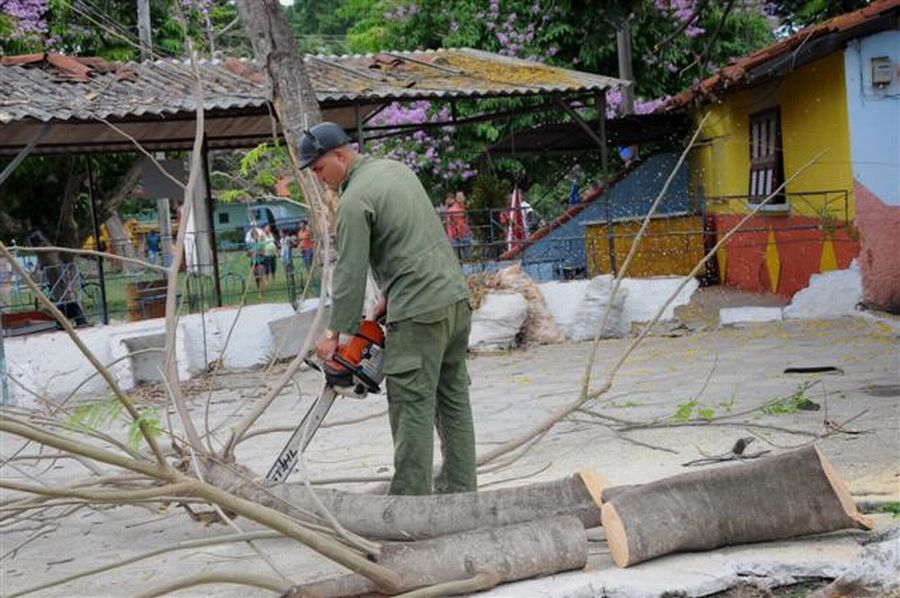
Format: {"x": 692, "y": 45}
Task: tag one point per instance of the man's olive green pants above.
{"x": 428, "y": 388}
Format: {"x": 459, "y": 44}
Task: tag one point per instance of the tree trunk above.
{"x": 108, "y": 203}
{"x": 66, "y": 233}
{"x": 419, "y": 517}
{"x": 792, "y": 494}
{"x": 120, "y": 241}
{"x": 280, "y": 60}
{"x": 295, "y": 103}
{"x": 510, "y": 553}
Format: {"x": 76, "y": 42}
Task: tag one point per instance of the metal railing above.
{"x": 831, "y": 206}
{"x": 562, "y": 254}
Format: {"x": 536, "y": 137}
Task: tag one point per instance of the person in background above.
{"x": 628, "y": 154}
{"x": 306, "y": 245}
{"x": 441, "y": 210}
{"x": 153, "y": 248}
{"x": 574, "y": 195}
{"x": 287, "y": 254}
{"x": 459, "y": 223}
{"x": 256, "y": 252}
{"x": 270, "y": 251}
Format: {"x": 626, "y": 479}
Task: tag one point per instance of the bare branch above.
{"x": 171, "y": 366}
{"x": 70, "y": 330}
{"x": 245, "y": 579}
{"x": 100, "y": 495}
{"x": 160, "y": 470}
{"x": 103, "y": 254}
{"x": 696, "y": 269}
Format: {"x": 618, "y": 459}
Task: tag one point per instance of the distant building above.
{"x": 831, "y": 87}
{"x": 234, "y": 219}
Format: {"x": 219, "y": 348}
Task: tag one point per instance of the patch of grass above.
{"x": 892, "y": 507}
{"x": 234, "y": 269}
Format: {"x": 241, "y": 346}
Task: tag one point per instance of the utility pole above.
{"x": 143, "y": 9}
{"x": 623, "y": 44}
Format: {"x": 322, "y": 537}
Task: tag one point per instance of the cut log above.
{"x": 419, "y": 517}
{"x": 792, "y": 494}
{"x": 607, "y": 494}
{"x": 505, "y": 554}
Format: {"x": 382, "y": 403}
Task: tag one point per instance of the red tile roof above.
{"x": 737, "y": 72}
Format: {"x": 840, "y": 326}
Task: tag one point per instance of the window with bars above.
{"x": 766, "y": 167}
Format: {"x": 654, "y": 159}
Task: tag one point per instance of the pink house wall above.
{"x": 879, "y": 227}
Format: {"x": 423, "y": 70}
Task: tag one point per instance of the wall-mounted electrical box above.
{"x": 882, "y": 72}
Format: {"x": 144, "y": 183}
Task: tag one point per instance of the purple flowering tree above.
{"x": 674, "y": 41}
{"x": 81, "y": 28}
{"x": 431, "y": 153}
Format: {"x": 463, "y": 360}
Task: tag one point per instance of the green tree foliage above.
{"x": 571, "y": 33}
{"x": 108, "y": 28}
{"x": 43, "y": 187}
{"x": 674, "y": 42}
{"x": 319, "y": 26}
{"x": 800, "y": 13}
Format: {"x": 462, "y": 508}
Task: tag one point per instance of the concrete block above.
{"x": 735, "y": 315}
{"x": 251, "y": 341}
{"x": 289, "y": 333}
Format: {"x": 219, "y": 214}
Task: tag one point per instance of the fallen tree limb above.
{"x": 792, "y": 494}
{"x": 419, "y": 517}
{"x": 478, "y": 583}
{"x": 256, "y": 581}
{"x": 513, "y": 552}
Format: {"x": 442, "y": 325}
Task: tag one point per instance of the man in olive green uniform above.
{"x": 385, "y": 220}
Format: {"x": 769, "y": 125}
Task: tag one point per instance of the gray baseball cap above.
{"x": 319, "y": 140}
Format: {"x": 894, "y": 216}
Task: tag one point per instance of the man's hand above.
{"x": 378, "y": 310}
{"x": 325, "y": 347}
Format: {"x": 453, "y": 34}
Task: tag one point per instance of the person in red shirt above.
{"x": 306, "y": 245}
{"x": 458, "y": 227}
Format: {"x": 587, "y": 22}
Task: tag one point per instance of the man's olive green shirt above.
{"x": 385, "y": 219}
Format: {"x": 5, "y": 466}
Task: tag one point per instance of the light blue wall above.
{"x": 631, "y": 196}
{"x": 874, "y": 115}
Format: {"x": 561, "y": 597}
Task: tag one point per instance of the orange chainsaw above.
{"x": 354, "y": 370}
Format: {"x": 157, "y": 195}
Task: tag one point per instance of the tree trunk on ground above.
{"x": 793, "y": 494}
{"x": 419, "y": 517}
{"x": 513, "y": 552}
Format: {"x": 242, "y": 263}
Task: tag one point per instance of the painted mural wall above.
{"x": 631, "y": 196}
{"x": 778, "y": 251}
{"x": 874, "y": 115}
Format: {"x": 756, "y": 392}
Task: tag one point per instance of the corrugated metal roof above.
{"x": 740, "y": 70}
{"x": 50, "y": 86}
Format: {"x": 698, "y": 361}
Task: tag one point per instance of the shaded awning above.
{"x": 73, "y": 98}
{"x": 557, "y": 139}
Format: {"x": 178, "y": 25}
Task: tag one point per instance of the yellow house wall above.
{"x": 813, "y": 109}
{"x": 673, "y": 245}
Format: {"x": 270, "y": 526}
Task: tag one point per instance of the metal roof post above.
{"x": 96, "y": 226}
{"x": 604, "y": 165}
